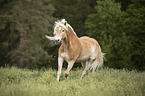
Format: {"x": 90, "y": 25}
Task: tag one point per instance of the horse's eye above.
{"x": 62, "y": 30}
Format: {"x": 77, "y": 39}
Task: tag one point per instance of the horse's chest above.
{"x": 65, "y": 56}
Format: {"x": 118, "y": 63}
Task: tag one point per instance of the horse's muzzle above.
{"x": 57, "y": 41}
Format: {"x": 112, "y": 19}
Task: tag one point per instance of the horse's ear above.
{"x": 65, "y": 23}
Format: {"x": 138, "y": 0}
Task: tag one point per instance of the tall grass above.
{"x": 107, "y": 82}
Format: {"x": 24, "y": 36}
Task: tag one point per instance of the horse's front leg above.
{"x": 60, "y": 62}
{"x": 70, "y": 65}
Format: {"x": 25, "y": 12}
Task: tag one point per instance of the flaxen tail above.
{"x": 98, "y": 63}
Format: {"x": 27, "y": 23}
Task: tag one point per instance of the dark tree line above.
{"x": 121, "y": 33}
{"x": 117, "y": 25}
{"x": 23, "y": 26}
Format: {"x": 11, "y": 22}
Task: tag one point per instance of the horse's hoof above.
{"x": 66, "y": 75}
{"x": 81, "y": 77}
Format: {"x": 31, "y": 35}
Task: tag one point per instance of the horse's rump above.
{"x": 90, "y": 48}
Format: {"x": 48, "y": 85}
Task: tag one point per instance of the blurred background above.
{"x": 118, "y": 26}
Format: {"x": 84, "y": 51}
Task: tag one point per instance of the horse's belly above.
{"x": 83, "y": 58}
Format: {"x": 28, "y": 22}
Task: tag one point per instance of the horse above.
{"x": 74, "y": 49}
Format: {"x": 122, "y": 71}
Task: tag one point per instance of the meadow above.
{"x": 107, "y": 82}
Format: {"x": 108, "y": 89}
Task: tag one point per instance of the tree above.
{"x": 135, "y": 27}
{"x": 75, "y": 12}
{"x": 106, "y": 25}
{"x": 124, "y": 3}
{"x": 24, "y": 25}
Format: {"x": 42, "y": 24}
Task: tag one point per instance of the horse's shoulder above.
{"x": 61, "y": 48}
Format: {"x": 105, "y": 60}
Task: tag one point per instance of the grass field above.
{"x": 107, "y": 82}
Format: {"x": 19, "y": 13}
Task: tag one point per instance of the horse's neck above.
{"x": 71, "y": 38}
{"x": 71, "y": 45}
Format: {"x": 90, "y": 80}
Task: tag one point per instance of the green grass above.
{"x": 107, "y": 82}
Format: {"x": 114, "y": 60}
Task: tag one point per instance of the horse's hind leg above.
{"x": 87, "y": 67}
{"x": 70, "y": 65}
{"x": 83, "y": 64}
{"x": 85, "y": 70}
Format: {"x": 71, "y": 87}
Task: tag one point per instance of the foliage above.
{"x": 124, "y": 4}
{"x": 75, "y": 12}
{"x": 106, "y": 24}
{"x": 108, "y": 82}
{"x": 23, "y": 29}
{"x": 114, "y": 30}
{"x": 135, "y": 28}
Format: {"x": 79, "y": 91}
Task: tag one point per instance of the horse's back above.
{"x": 86, "y": 40}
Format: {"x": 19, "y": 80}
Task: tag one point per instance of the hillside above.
{"x": 108, "y": 82}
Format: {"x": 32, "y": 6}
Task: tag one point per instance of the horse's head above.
{"x": 59, "y": 31}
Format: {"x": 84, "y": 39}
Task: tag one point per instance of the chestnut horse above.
{"x": 73, "y": 49}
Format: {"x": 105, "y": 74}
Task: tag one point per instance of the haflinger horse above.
{"x": 73, "y": 49}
